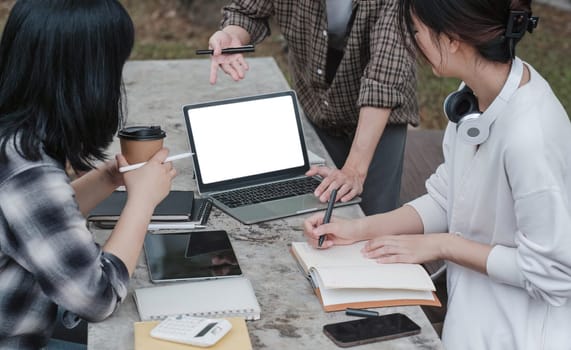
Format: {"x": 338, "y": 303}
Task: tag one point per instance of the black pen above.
{"x": 228, "y": 50}
{"x": 360, "y": 313}
{"x": 328, "y": 214}
{"x": 206, "y": 211}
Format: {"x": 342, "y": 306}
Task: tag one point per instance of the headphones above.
{"x": 461, "y": 107}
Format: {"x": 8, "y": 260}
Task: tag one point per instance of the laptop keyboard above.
{"x": 267, "y": 192}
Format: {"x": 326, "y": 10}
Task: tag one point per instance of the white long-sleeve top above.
{"x": 513, "y": 193}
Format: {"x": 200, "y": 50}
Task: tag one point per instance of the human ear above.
{"x": 452, "y": 44}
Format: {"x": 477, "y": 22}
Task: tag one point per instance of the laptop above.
{"x": 250, "y": 157}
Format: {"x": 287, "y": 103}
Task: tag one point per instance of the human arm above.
{"x": 350, "y": 178}
{"x": 420, "y": 248}
{"x": 48, "y": 238}
{"x": 397, "y": 237}
{"x": 96, "y": 185}
{"x": 387, "y": 89}
{"x": 45, "y": 234}
{"x": 529, "y": 249}
{"x": 146, "y": 188}
{"x": 431, "y": 241}
{"x": 536, "y": 263}
{"x": 339, "y": 231}
{"x": 426, "y": 214}
{"x": 538, "y": 166}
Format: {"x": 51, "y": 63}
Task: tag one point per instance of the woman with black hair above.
{"x": 60, "y": 102}
{"x": 498, "y": 210}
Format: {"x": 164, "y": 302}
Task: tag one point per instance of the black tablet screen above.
{"x": 190, "y": 255}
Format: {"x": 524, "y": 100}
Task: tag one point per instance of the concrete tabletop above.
{"x": 292, "y": 317}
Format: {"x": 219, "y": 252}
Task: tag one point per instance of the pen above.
{"x": 228, "y": 50}
{"x": 174, "y": 226}
{"x": 328, "y": 214}
{"x": 206, "y": 212}
{"x": 361, "y": 313}
{"x": 169, "y": 159}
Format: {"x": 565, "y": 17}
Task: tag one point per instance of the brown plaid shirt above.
{"x": 376, "y": 69}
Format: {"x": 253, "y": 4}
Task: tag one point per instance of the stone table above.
{"x": 292, "y": 317}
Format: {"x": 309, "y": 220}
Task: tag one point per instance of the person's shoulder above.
{"x": 536, "y": 102}
{"x": 15, "y": 162}
{"x": 537, "y": 90}
{"x": 537, "y": 121}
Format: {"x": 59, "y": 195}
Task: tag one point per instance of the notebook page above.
{"x": 387, "y": 276}
{"x": 346, "y": 296}
{"x": 348, "y": 255}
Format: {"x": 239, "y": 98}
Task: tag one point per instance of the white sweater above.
{"x": 513, "y": 193}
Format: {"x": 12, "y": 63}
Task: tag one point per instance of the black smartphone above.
{"x": 371, "y": 329}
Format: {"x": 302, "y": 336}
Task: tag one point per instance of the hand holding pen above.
{"x": 126, "y": 168}
{"x": 328, "y": 213}
{"x": 227, "y": 49}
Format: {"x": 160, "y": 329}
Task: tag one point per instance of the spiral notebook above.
{"x": 226, "y": 297}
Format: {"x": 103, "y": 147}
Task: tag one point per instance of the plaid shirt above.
{"x": 376, "y": 69}
{"x": 48, "y": 256}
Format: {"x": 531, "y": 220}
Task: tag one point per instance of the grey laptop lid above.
{"x": 247, "y": 141}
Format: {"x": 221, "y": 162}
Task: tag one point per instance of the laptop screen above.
{"x": 245, "y": 137}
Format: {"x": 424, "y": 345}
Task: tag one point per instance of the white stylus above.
{"x": 174, "y": 226}
{"x": 169, "y": 159}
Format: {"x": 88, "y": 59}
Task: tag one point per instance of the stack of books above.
{"x": 178, "y": 206}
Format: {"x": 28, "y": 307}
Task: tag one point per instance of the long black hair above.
{"x": 61, "y": 89}
{"x": 480, "y": 23}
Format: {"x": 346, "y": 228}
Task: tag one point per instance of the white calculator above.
{"x": 195, "y": 331}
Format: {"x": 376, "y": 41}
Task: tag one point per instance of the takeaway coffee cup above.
{"x": 140, "y": 143}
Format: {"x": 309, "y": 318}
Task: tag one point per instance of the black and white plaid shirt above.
{"x": 376, "y": 69}
{"x": 48, "y": 256}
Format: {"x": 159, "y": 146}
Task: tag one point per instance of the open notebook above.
{"x": 343, "y": 278}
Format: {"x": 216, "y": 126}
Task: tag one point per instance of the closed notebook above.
{"x": 237, "y": 339}
{"x": 177, "y": 206}
{"x": 343, "y": 278}
{"x": 225, "y": 297}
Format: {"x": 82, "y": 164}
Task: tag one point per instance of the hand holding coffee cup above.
{"x": 149, "y": 185}
{"x": 140, "y": 143}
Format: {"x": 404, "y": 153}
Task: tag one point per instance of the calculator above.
{"x": 197, "y": 331}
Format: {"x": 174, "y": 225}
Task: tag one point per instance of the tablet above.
{"x": 196, "y": 255}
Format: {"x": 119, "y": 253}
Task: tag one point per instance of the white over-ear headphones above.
{"x": 461, "y": 107}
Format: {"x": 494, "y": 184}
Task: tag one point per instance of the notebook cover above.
{"x": 237, "y": 339}
{"x": 224, "y": 297}
{"x": 176, "y": 206}
{"x": 380, "y": 303}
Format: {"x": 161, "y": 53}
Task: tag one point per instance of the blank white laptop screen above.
{"x": 245, "y": 138}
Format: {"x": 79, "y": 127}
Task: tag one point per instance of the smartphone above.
{"x": 371, "y": 329}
